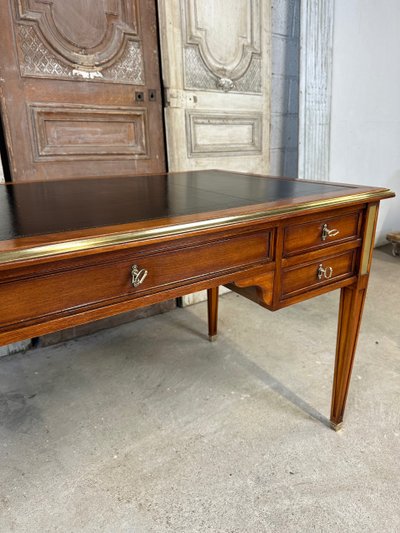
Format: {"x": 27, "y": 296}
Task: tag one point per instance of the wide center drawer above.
{"x": 322, "y": 232}
{"x": 114, "y": 278}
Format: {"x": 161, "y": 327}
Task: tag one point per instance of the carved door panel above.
{"x": 80, "y": 88}
{"x": 215, "y": 57}
{"x": 216, "y": 70}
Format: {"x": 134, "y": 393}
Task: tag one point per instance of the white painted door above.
{"x": 216, "y": 71}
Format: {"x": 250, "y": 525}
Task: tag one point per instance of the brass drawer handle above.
{"x": 324, "y": 272}
{"x": 138, "y": 275}
{"x": 328, "y": 232}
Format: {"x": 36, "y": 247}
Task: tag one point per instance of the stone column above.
{"x": 316, "y": 41}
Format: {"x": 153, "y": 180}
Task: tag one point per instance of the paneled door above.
{"x": 80, "y": 88}
{"x": 216, "y": 71}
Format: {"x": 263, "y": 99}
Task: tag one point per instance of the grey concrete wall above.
{"x": 285, "y": 87}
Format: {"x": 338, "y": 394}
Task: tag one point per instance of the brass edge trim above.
{"x": 336, "y": 427}
{"x": 47, "y": 250}
{"x": 368, "y": 239}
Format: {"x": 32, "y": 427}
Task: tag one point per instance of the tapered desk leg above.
{"x": 350, "y": 313}
{"x": 212, "y": 300}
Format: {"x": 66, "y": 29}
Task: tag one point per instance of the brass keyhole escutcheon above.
{"x": 324, "y": 272}
{"x": 326, "y": 232}
{"x": 138, "y": 275}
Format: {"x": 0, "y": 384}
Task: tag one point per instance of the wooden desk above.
{"x": 76, "y": 251}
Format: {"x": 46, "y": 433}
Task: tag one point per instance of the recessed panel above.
{"x": 223, "y": 134}
{"x": 75, "y": 36}
{"x": 65, "y": 132}
{"x": 222, "y": 57}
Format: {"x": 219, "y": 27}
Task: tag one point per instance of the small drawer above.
{"x": 113, "y": 278}
{"x": 321, "y": 232}
{"x": 318, "y": 273}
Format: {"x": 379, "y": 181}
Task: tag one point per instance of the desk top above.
{"x": 36, "y": 214}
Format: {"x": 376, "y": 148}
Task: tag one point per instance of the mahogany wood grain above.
{"x": 99, "y": 283}
{"x": 212, "y": 308}
{"x": 309, "y": 236}
{"x": 42, "y": 325}
{"x": 320, "y": 254}
{"x": 350, "y": 313}
{"x": 305, "y": 277}
{"x": 258, "y": 288}
{"x": 351, "y": 307}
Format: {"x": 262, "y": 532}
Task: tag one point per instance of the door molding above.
{"x": 93, "y": 51}
{"x": 316, "y": 42}
{"x": 248, "y": 42}
{"x": 80, "y": 88}
{"x": 216, "y": 68}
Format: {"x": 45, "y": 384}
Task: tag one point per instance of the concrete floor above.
{"x": 148, "y": 427}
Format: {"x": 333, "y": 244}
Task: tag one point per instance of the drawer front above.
{"x": 110, "y": 280}
{"x": 318, "y": 273}
{"x": 321, "y": 233}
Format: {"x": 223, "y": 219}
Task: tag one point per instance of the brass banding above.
{"x": 78, "y": 245}
{"x": 368, "y": 239}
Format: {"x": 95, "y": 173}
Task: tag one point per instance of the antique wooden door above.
{"x": 216, "y": 71}
{"x": 80, "y": 88}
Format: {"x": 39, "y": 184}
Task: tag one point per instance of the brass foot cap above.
{"x": 336, "y": 427}
{"x": 212, "y": 338}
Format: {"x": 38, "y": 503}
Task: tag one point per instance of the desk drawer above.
{"x": 108, "y": 278}
{"x": 321, "y": 272}
{"x": 321, "y": 232}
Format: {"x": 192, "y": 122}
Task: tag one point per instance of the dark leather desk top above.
{"x": 43, "y": 208}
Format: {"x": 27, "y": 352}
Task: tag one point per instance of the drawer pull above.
{"x": 138, "y": 275}
{"x": 328, "y": 232}
{"x": 324, "y": 272}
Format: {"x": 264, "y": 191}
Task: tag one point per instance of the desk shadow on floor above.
{"x": 273, "y": 384}
{"x": 239, "y": 359}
